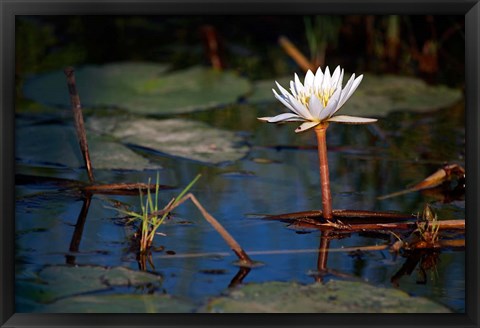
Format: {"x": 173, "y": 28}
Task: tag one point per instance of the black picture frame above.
{"x": 10, "y": 8}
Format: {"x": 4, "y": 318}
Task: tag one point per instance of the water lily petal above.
{"x": 282, "y": 117}
{"x": 332, "y": 105}
{"x": 291, "y": 102}
{"x": 317, "y": 83}
{"x": 335, "y": 76}
{"x": 326, "y": 83}
{"x": 316, "y": 107}
{"x": 339, "y": 80}
{"x": 309, "y": 78}
{"x": 298, "y": 85}
{"x": 346, "y": 119}
{"x": 293, "y": 90}
{"x": 347, "y": 87}
{"x": 351, "y": 90}
{"x": 284, "y": 101}
{"x": 345, "y": 91}
{"x": 301, "y": 109}
{"x": 284, "y": 92}
{"x": 305, "y": 126}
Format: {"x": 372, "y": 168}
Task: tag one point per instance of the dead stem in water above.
{"x": 78, "y": 118}
{"x": 232, "y": 243}
{"x": 116, "y": 188}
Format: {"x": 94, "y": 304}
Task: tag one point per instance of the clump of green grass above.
{"x": 151, "y": 217}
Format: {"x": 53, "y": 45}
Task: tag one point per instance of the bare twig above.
{"x": 122, "y": 188}
{"x": 346, "y": 215}
{"x": 78, "y": 118}
{"x": 357, "y": 220}
{"x": 232, "y": 243}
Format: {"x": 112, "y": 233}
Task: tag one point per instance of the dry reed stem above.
{"x": 232, "y": 243}
{"x": 78, "y": 118}
{"x": 121, "y": 188}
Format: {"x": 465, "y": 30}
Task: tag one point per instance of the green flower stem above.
{"x": 321, "y": 132}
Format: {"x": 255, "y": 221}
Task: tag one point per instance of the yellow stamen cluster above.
{"x": 322, "y": 94}
{"x": 304, "y": 98}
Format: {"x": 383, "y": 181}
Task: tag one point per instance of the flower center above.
{"x": 323, "y": 94}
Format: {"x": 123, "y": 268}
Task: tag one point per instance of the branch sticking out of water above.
{"x": 442, "y": 175}
{"x": 232, "y": 243}
{"x": 78, "y": 118}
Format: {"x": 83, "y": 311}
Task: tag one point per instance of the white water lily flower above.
{"x": 317, "y": 100}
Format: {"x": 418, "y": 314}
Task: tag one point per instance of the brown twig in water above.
{"x": 358, "y": 220}
{"x": 347, "y": 215}
{"x": 237, "y": 249}
{"x": 78, "y": 118}
{"x": 117, "y": 188}
{"x": 122, "y": 188}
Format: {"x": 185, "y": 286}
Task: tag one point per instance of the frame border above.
{"x": 10, "y": 8}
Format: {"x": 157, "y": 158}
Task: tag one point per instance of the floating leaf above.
{"x": 141, "y": 88}
{"x": 55, "y": 144}
{"x": 97, "y": 85}
{"x": 177, "y": 137}
{"x": 381, "y": 95}
{"x": 332, "y": 297}
{"x": 54, "y": 282}
{"x": 378, "y": 95}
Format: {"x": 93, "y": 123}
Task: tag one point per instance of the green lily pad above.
{"x": 144, "y": 88}
{"x": 55, "y": 144}
{"x": 332, "y": 297}
{"x": 55, "y": 282}
{"x": 379, "y": 95}
{"x": 177, "y": 137}
{"x": 120, "y": 304}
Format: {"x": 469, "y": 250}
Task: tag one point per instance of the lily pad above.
{"x": 177, "y": 137}
{"x": 120, "y": 304}
{"x": 379, "y": 95}
{"x": 332, "y": 297}
{"x": 55, "y": 282}
{"x": 56, "y": 145}
{"x": 144, "y": 88}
